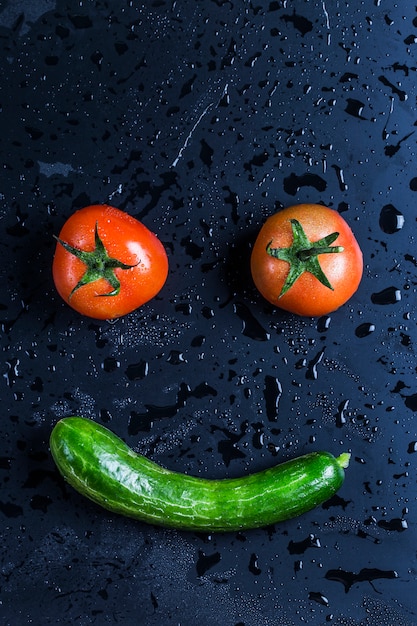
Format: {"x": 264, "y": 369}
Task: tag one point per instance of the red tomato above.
{"x": 306, "y": 260}
{"x": 107, "y": 263}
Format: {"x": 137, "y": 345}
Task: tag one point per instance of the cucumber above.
{"x": 100, "y": 466}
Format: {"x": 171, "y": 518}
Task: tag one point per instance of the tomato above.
{"x": 107, "y": 263}
{"x": 295, "y": 265}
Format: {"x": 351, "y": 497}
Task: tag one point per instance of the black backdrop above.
{"x": 201, "y": 119}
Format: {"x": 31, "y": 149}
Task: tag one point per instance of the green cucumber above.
{"x": 100, "y": 466}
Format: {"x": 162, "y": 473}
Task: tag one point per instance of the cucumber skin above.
{"x": 100, "y": 466}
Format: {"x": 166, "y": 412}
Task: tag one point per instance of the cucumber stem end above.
{"x": 343, "y": 459}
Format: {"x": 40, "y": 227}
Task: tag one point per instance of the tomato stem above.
{"x": 302, "y": 256}
{"x": 98, "y": 265}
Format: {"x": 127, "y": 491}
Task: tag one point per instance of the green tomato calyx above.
{"x": 302, "y": 256}
{"x": 98, "y": 265}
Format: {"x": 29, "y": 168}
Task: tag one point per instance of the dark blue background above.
{"x": 201, "y": 119}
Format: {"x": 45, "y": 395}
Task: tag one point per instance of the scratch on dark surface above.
{"x": 190, "y": 134}
{"x": 196, "y": 124}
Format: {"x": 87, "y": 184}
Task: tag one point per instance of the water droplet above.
{"x": 251, "y": 327}
{"x": 348, "y": 579}
{"x": 390, "y": 295}
{"x": 299, "y": 547}
{"x": 396, "y": 524}
{"x": 340, "y": 177}
{"x": 187, "y": 86}
{"x": 206, "y": 561}
{"x": 395, "y": 90}
{"x": 110, "y": 364}
{"x": 12, "y": 373}
{"x": 323, "y": 323}
{"x": 191, "y": 248}
{"x": 272, "y": 395}
{"x": 312, "y": 365}
{"x": 206, "y": 153}
{"x": 143, "y": 421}
{"x": 340, "y": 415}
{"x": 228, "y": 447}
{"x": 257, "y": 161}
{"x": 355, "y": 107}
{"x": 405, "y": 340}
{"x": 293, "y": 183}
{"x": 185, "y": 308}
{"x": 105, "y": 416}
{"x": 207, "y": 312}
{"x": 300, "y": 23}
{"x": 392, "y": 149}
{"x": 230, "y": 55}
{"x": 318, "y": 597}
{"x": 365, "y": 329}
{"x": 253, "y": 565}
{"x": 233, "y": 200}
{"x": 9, "y": 509}
{"x": 258, "y": 437}
{"x": 411, "y": 402}
{"x": 198, "y": 341}
{"x": 137, "y": 371}
{"x": 176, "y": 357}
{"x": 390, "y": 219}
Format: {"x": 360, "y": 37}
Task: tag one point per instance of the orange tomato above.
{"x": 107, "y": 263}
{"x": 306, "y": 260}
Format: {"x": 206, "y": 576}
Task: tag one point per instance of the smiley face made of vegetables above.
{"x": 107, "y": 263}
{"x": 306, "y": 260}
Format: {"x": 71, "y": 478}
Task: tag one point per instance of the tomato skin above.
{"x": 125, "y": 239}
{"x": 307, "y": 296}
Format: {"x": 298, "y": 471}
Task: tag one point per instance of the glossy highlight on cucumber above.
{"x": 100, "y": 466}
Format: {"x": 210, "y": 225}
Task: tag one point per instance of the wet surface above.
{"x": 201, "y": 119}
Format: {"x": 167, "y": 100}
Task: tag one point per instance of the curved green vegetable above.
{"x": 103, "y": 468}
